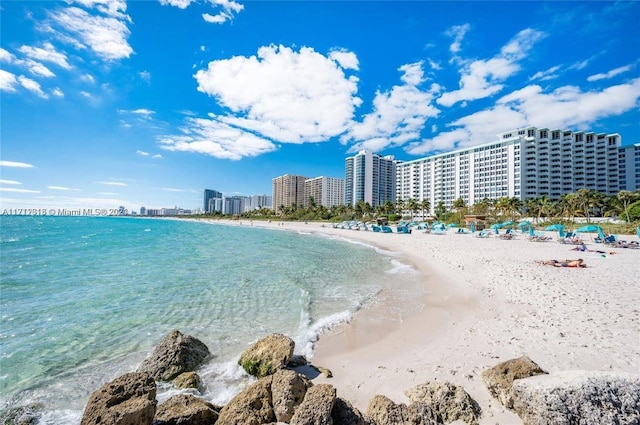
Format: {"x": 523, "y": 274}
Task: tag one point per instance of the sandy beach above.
{"x": 487, "y": 301}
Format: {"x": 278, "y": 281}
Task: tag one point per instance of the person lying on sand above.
{"x": 583, "y": 247}
{"x": 566, "y": 263}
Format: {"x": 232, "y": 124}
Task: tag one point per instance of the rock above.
{"x": 316, "y": 407}
{"x": 186, "y": 409}
{"x": 499, "y": 378}
{"x": 383, "y": 411}
{"x": 449, "y": 402}
{"x": 176, "y": 353}
{"x": 578, "y": 398}
{"x": 23, "y": 415}
{"x": 344, "y": 413}
{"x": 288, "y": 389}
{"x": 187, "y": 380}
{"x": 298, "y": 360}
{"x": 251, "y": 407}
{"x": 271, "y": 353}
{"x": 127, "y": 400}
{"x": 323, "y": 370}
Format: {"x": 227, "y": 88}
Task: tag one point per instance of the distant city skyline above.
{"x": 101, "y": 109}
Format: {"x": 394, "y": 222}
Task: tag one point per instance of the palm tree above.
{"x": 440, "y": 210}
{"x": 590, "y": 200}
{"x": 400, "y": 206}
{"x": 425, "y": 205}
{"x": 626, "y": 197}
{"x": 413, "y": 207}
{"x": 388, "y": 207}
{"x": 459, "y": 206}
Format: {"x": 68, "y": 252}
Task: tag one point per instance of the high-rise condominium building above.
{"x": 630, "y": 168}
{"x": 288, "y": 190}
{"x": 523, "y": 163}
{"x": 212, "y": 201}
{"x": 259, "y": 201}
{"x": 327, "y": 191}
{"x": 371, "y": 178}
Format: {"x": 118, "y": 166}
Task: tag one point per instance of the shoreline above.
{"x": 488, "y": 302}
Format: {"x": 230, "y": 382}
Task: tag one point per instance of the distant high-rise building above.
{"x": 371, "y": 178}
{"x": 288, "y": 190}
{"x": 212, "y": 201}
{"x": 327, "y": 191}
{"x": 233, "y": 205}
{"x": 257, "y": 202}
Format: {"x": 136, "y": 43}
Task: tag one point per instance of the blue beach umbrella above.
{"x": 508, "y": 223}
{"x": 452, "y": 225}
{"x": 554, "y": 227}
{"x": 589, "y": 229}
{"x": 496, "y": 226}
{"x": 524, "y": 223}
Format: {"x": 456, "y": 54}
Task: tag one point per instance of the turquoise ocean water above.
{"x": 84, "y": 300}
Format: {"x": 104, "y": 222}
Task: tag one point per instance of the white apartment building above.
{"x": 630, "y": 168}
{"x": 327, "y": 191}
{"x": 523, "y": 163}
{"x": 371, "y": 178}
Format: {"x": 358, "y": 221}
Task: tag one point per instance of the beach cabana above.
{"x": 554, "y": 227}
{"x": 524, "y": 225}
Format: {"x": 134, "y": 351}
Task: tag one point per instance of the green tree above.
{"x": 425, "y": 205}
{"x": 440, "y": 210}
{"x": 626, "y": 198}
{"x": 413, "y": 206}
{"x": 460, "y": 207}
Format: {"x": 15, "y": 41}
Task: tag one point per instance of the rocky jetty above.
{"x": 578, "y": 398}
{"x": 176, "y": 353}
{"x": 284, "y": 396}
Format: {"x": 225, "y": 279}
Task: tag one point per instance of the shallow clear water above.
{"x": 83, "y": 300}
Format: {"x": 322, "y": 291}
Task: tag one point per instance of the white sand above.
{"x": 488, "y": 302}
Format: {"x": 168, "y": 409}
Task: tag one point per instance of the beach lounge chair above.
{"x": 386, "y": 229}
{"x": 484, "y": 234}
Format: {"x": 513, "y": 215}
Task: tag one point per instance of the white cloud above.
{"x": 146, "y": 76}
{"x": 105, "y": 35}
{"x": 46, "y": 53}
{"x": 3, "y": 181}
{"x": 88, "y": 78}
{"x": 112, "y": 183}
{"x": 546, "y": 75}
{"x": 215, "y": 138}
{"x": 398, "y": 115}
{"x": 346, "y": 59}
{"x": 181, "y": 4}
{"x": 281, "y": 94}
{"x": 14, "y": 164}
{"x": 32, "y": 86}
{"x": 142, "y": 153}
{"x": 457, "y": 32}
{"x": 229, "y": 8}
{"x": 156, "y": 156}
{"x": 8, "y": 81}
{"x": 609, "y": 74}
{"x": 6, "y": 56}
{"x": 564, "y": 107}
{"x": 57, "y": 92}
{"x": 63, "y": 188}
{"x": 170, "y": 189}
{"x": 483, "y": 78}
{"x": 16, "y": 190}
{"x": 36, "y": 68}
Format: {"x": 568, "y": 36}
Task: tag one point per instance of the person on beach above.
{"x": 566, "y": 263}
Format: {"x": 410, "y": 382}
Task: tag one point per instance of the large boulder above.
{"x": 288, "y": 389}
{"x": 176, "y": 353}
{"x": 499, "y": 379}
{"x": 383, "y": 411}
{"x": 316, "y": 407}
{"x": 252, "y": 406}
{"x": 186, "y": 409}
{"x": 578, "y": 398}
{"x": 449, "y": 402}
{"x": 344, "y": 413}
{"x": 127, "y": 400}
{"x": 266, "y": 356}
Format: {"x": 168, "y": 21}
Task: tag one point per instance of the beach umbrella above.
{"x": 452, "y": 225}
{"x": 589, "y": 229}
{"x": 524, "y": 223}
{"x": 496, "y": 226}
{"x": 554, "y": 227}
{"x": 508, "y": 223}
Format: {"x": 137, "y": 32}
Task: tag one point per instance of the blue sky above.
{"x": 108, "y": 103}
